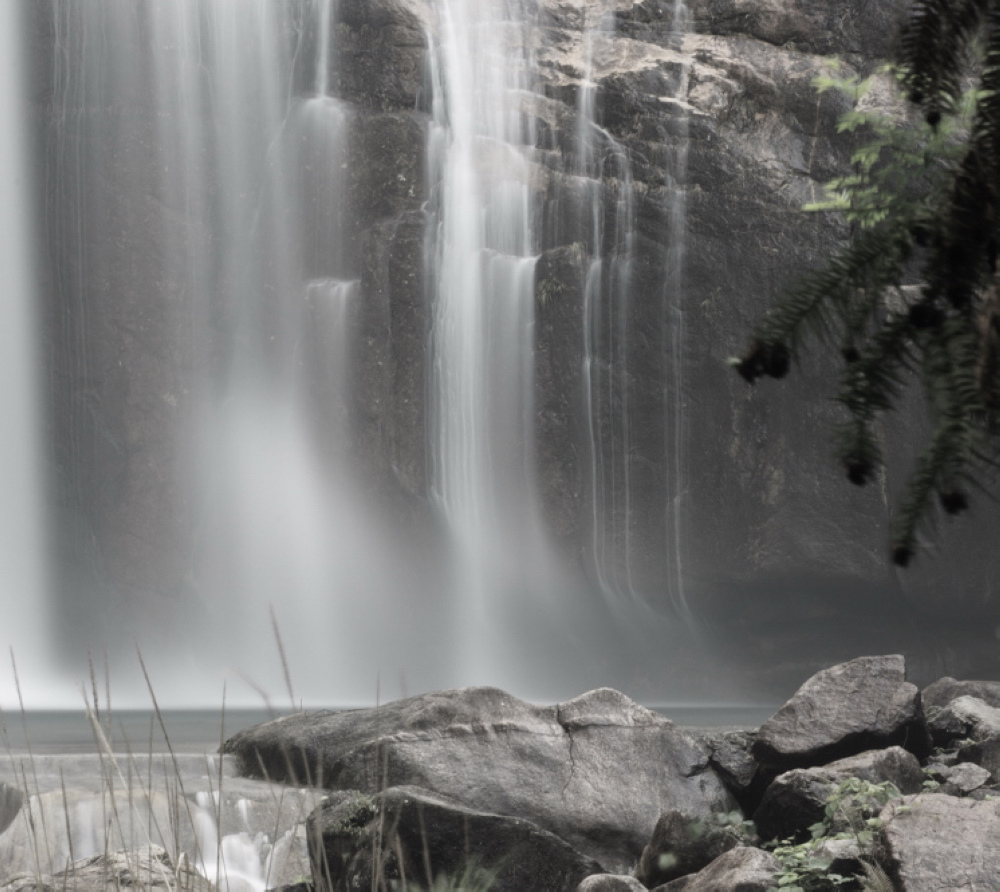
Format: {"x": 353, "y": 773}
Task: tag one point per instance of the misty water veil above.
{"x": 226, "y": 215}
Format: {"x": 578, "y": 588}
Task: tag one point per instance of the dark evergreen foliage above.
{"x": 942, "y": 216}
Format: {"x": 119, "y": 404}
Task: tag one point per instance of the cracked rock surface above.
{"x": 597, "y": 770}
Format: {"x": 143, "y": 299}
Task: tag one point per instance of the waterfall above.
{"x": 23, "y": 522}
{"x": 609, "y": 194}
{"x": 480, "y": 251}
{"x": 196, "y": 196}
{"x": 674, "y": 323}
{"x": 239, "y": 349}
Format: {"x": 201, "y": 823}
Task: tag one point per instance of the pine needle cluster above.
{"x": 923, "y": 199}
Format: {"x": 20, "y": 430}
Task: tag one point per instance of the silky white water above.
{"x": 673, "y": 297}
{"x": 24, "y": 594}
{"x": 481, "y": 249}
{"x": 202, "y": 183}
{"x": 602, "y": 160}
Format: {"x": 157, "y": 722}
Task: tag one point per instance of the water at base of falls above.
{"x": 240, "y": 834}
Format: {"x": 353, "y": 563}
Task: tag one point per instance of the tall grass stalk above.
{"x": 284, "y": 658}
{"x": 105, "y": 747}
{"x": 31, "y": 760}
{"x": 125, "y": 789}
{"x": 218, "y": 816}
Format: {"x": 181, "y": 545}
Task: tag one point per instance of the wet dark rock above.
{"x": 847, "y": 709}
{"x": 743, "y": 869}
{"x": 683, "y": 845}
{"x": 597, "y": 771}
{"x": 390, "y": 366}
{"x": 797, "y": 799}
{"x": 934, "y": 841}
{"x": 849, "y": 28}
{"x": 407, "y": 834}
{"x": 381, "y": 54}
{"x": 559, "y": 353}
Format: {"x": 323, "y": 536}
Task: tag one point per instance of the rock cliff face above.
{"x": 700, "y": 491}
{"x": 731, "y": 489}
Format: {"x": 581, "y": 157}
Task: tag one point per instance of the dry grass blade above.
{"x": 69, "y": 829}
{"x": 284, "y": 658}
{"x": 173, "y": 756}
{"x": 36, "y": 854}
{"x": 218, "y": 816}
{"x": 105, "y": 748}
{"x": 876, "y": 879}
{"x": 31, "y": 756}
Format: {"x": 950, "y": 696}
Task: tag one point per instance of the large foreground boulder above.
{"x": 798, "y": 798}
{"x": 860, "y": 705}
{"x": 934, "y": 841}
{"x": 411, "y": 836}
{"x": 598, "y": 771}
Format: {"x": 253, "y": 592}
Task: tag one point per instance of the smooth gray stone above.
{"x": 598, "y": 771}
{"x": 847, "y": 709}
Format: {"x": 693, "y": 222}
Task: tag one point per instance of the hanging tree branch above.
{"x": 928, "y": 195}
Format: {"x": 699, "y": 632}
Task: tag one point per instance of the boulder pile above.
{"x": 860, "y": 778}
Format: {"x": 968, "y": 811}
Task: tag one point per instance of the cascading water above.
{"x": 196, "y": 199}
{"x": 23, "y": 524}
{"x": 606, "y": 319}
{"x": 481, "y": 252}
{"x": 674, "y": 322}
{"x": 213, "y": 292}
